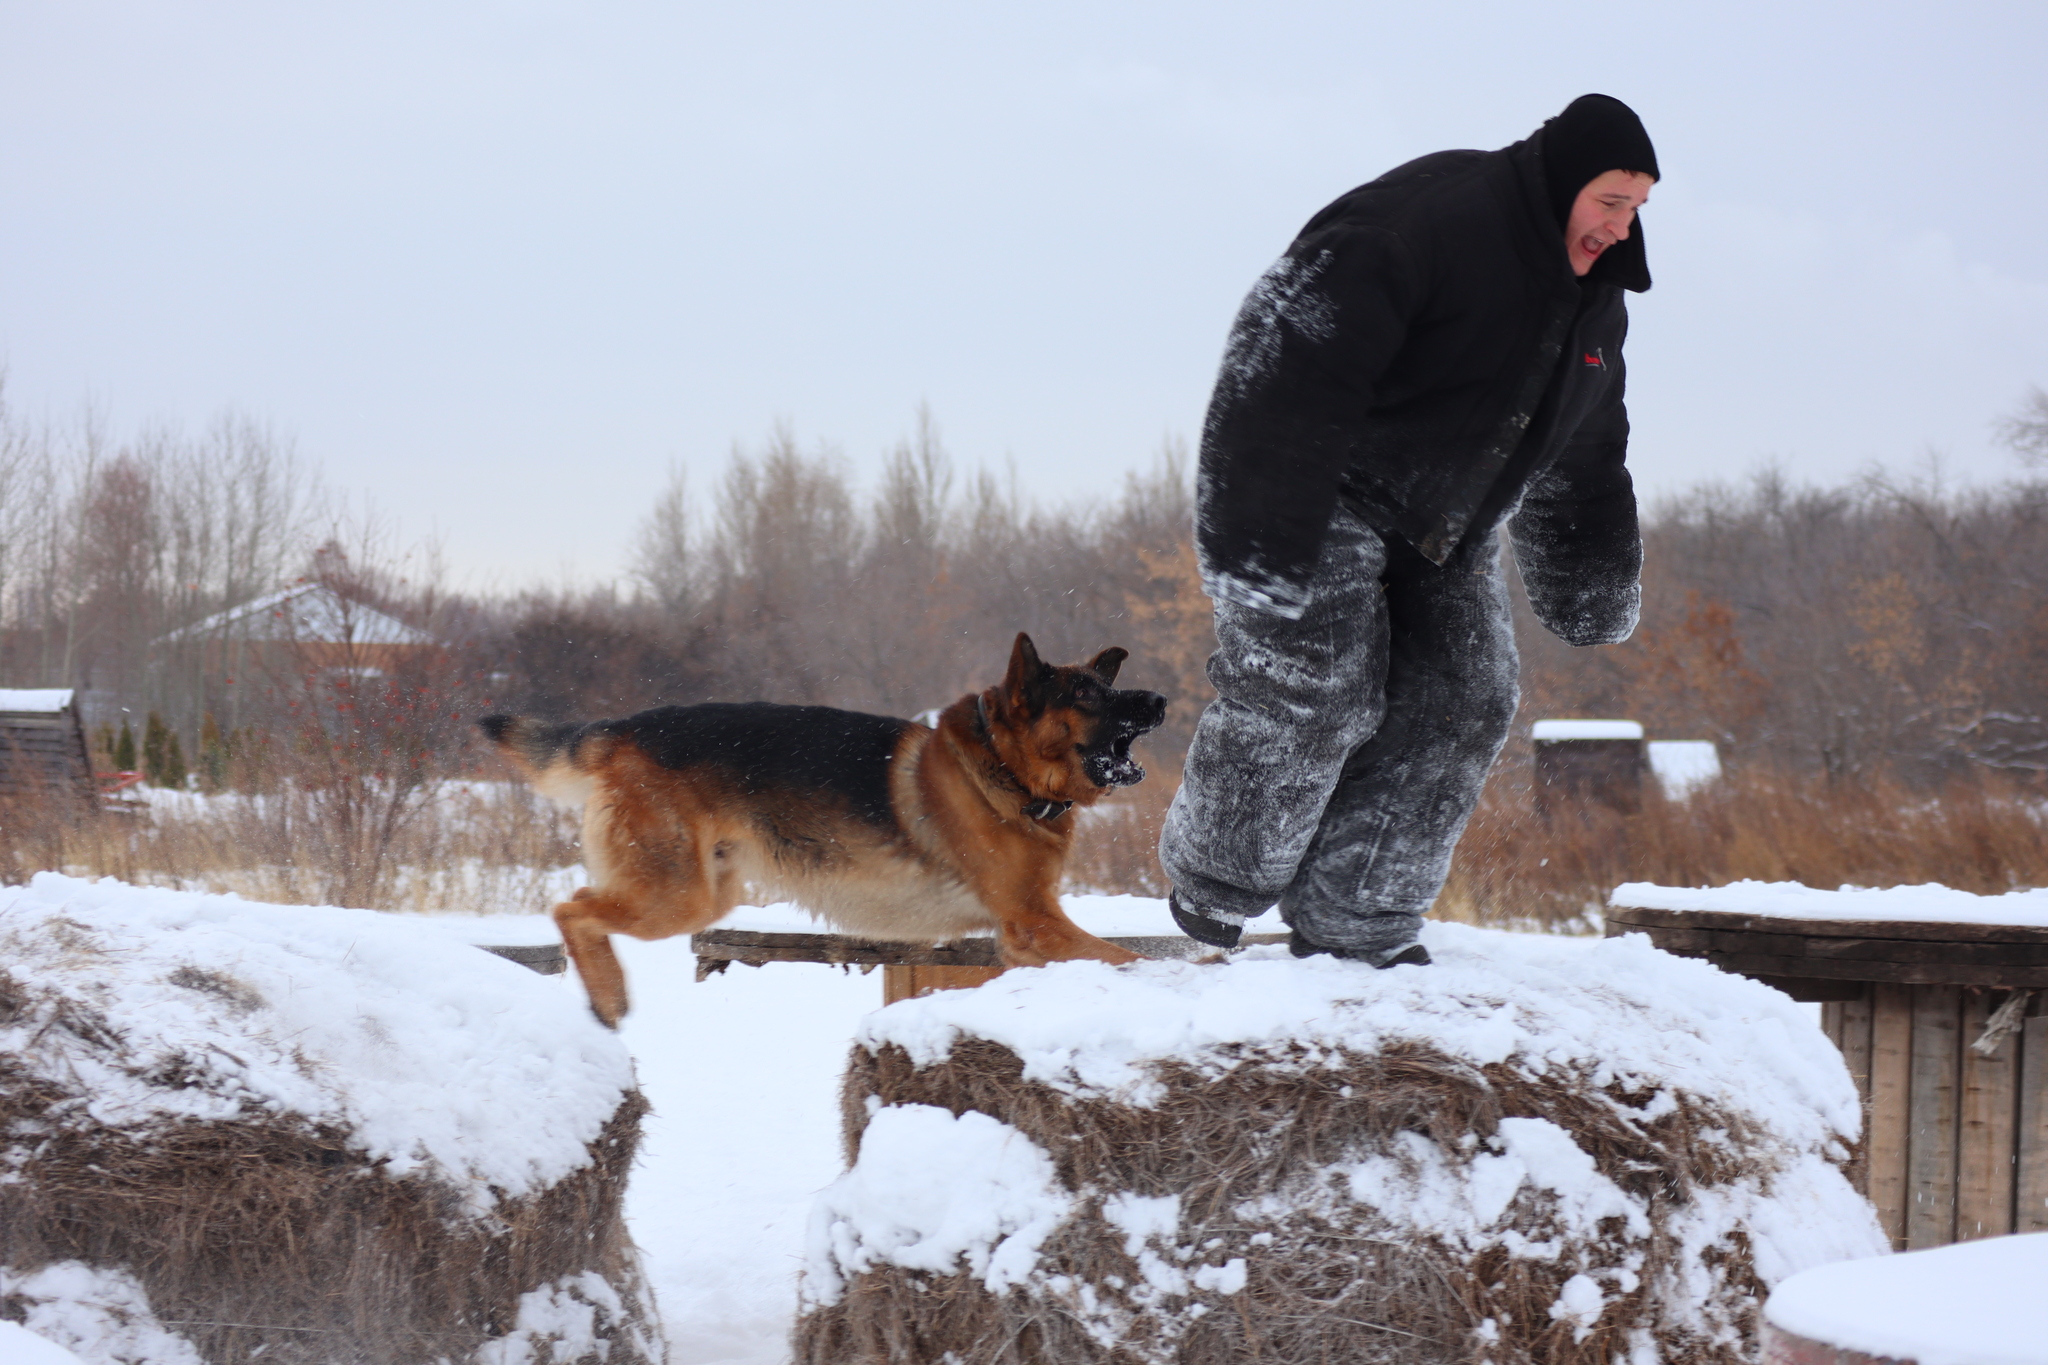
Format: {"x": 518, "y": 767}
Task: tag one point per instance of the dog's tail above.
{"x": 547, "y": 750}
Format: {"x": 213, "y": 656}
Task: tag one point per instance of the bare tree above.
{"x": 664, "y": 562}
{"x": 2026, "y": 430}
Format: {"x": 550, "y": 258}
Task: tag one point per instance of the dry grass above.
{"x": 1328, "y": 1279}
{"x": 1981, "y": 833}
{"x": 497, "y": 845}
{"x": 271, "y": 1239}
{"x": 470, "y": 847}
{"x": 1116, "y": 848}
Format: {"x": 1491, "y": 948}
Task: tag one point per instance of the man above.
{"x": 1438, "y": 353}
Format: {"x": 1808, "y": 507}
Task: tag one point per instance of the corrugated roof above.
{"x": 309, "y": 613}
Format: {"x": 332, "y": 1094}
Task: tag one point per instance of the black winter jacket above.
{"x": 1424, "y": 351}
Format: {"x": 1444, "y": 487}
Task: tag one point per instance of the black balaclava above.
{"x": 1594, "y": 135}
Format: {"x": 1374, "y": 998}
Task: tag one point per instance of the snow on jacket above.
{"x": 1424, "y": 351}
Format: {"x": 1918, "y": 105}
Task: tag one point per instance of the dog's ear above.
{"x": 1105, "y": 664}
{"x": 1025, "y": 667}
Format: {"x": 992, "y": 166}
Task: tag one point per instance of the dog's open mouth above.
{"x": 1112, "y": 765}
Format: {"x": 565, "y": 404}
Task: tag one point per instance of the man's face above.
{"x": 1602, "y": 215}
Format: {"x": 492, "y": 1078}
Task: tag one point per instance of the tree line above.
{"x": 1876, "y": 629}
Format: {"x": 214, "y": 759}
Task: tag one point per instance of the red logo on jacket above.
{"x": 1596, "y": 358}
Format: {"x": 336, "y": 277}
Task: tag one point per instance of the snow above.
{"x": 432, "y": 1056}
{"x": 1551, "y": 731}
{"x": 19, "y": 1346}
{"x": 1973, "y": 1303}
{"x": 98, "y": 1315}
{"x": 1089, "y": 1029}
{"x": 563, "y": 1321}
{"x": 1682, "y": 766}
{"x": 1929, "y": 904}
{"x": 743, "y": 1069}
{"x": 48, "y": 700}
{"x": 932, "y": 1189}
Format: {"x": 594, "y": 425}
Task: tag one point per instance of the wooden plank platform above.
{"x": 716, "y": 949}
{"x": 1955, "y": 1140}
{"x": 1939, "y": 931}
{"x": 1818, "y": 951}
{"x": 909, "y": 969}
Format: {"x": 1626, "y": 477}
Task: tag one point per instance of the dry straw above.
{"x": 1328, "y": 1279}
{"x": 269, "y": 1239}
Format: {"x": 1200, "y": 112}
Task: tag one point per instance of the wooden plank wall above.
{"x": 2030, "y": 1212}
{"x": 1955, "y": 1144}
{"x": 44, "y": 758}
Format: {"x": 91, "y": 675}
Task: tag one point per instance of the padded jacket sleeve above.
{"x": 1576, "y": 537}
{"x": 1313, "y": 337}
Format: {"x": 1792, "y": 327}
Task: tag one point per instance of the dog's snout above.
{"x": 1154, "y": 710}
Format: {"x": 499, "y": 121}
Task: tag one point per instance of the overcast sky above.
{"x": 499, "y": 267}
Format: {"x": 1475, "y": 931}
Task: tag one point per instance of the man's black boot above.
{"x": 1414, "y": 955}
{"x": 1214, "y": 932}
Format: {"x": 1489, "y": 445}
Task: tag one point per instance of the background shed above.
{"x": 43, "y": 754}
{"x": 308, "y": 624}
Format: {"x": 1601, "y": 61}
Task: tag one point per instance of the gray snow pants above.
{"x": 1344, "y": 751}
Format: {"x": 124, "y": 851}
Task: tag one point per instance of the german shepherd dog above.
{"x": 885, "y": 828}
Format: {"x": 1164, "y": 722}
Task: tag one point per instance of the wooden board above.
{"x": 2031, "y": 1204}
{"x": 757, "y": 947}
{"x": 1984, "y": 1140}
{"x": 1906, "y": 973}
{"x": 1854, "y": 1028}
{"x": 1891, "y": 1073}
{"x": 909, "y": 982}
{"x": 549, "y": 959}
{"x": 746, "y": 945}
{"x": 1817, "y": 990}
{"x": 1640, "y": 920}
{"x": 1814, "y": 951}
{"x": 1931, "y": 1136}
{"x": 1847, "y": 949}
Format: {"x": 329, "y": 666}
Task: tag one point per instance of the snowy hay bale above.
{"x": 233, "y": 1131}
{"x": 1537, "y": 1150}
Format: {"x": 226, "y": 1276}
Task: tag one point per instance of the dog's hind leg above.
{"x": 587, "y": 920}
{"x": 648, "y": 894}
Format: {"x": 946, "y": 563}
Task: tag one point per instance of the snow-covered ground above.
{"x": 743, "y": 1073}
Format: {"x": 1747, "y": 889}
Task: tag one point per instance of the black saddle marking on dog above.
{"x": 766, "y": 747}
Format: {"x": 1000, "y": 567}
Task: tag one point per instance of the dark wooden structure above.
{"x": 44, "y": 760}
{"x": 1945, "y": 1029}
{"x": 908, "y": 969}
{"x": 1581, "y": 763}
{"x": 549, "y": 959}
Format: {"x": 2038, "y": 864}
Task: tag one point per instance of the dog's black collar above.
{"x": 1038, "y": 808}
